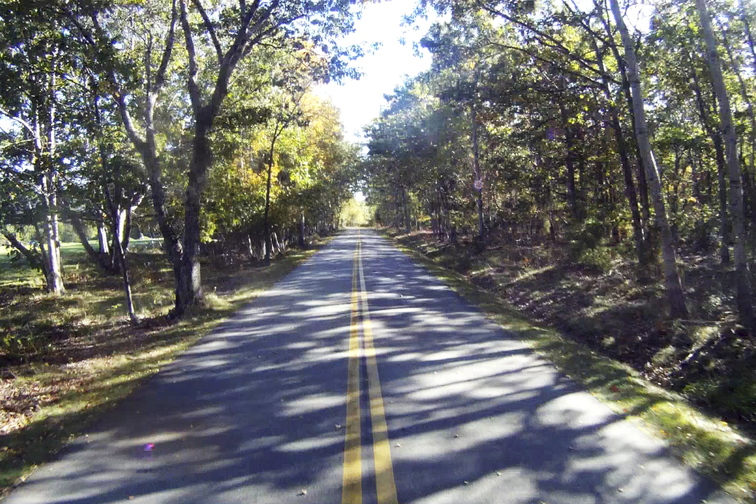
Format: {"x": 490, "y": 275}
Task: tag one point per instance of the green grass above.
{"x": 75, "y": 355}
{"x": 703, "y": 442}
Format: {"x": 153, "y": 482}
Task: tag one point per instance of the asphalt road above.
{"x": 360, "y": 378}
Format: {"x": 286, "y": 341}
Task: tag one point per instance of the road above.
{"x": 360, "y": 378}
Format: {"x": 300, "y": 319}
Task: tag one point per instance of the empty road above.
{"x": 360, "y": 378}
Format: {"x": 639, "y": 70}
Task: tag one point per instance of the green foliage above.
{"x": 355, "y": 213}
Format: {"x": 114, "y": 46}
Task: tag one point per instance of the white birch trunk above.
{"x": 672, "y": 284}
{"x": 745, "y": 307}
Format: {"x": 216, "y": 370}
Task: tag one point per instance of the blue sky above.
{"x": 361, "y": 100}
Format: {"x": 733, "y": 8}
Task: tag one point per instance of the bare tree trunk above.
{"x": 52, "y": 252}
{"x": 406, "y": 211}
{"x": 476, "y": 170}
{"x": 672, "y": 284}
{"x": 102, "y": 237}
{"x": 124, "y": 267}
{"x": 745, "y": 307}
{"x": 33, "y": 257}
{"x": 118, "y": 216}
{"x": 749, "y": 36}
{"x": 266, "y": 216}
{"x": 749, "y": 103}
{"x": 645, "y": 205}
{"x": 95, "y": 255}
{"x": 569, "y": 161}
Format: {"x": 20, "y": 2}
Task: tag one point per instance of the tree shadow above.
{"x": 255, "y": 411}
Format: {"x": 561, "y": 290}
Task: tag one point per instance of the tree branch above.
{"x": 210, "y": 29}
{"x": 18, "y": 120}
{"x": 169, "y": 41}
{"x": 554, "y": 64}
{"x": 194, "y": 92}
{"x": 545, "y": 38}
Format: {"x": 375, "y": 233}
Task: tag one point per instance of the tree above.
{"x": 672, "y": 284}
{"x": 216, "y": 40}
{"x": 744, "y": 293}
{"x": 33, "y": 75}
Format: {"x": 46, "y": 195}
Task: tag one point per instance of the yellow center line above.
{"x": 384, "y": 470}
{"x": 351, "y": 492}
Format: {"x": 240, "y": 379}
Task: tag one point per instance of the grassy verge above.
{"x": 67, "y": 359}
{"x": 706, "y": 443}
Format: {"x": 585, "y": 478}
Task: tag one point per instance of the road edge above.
{"x": 701, "y": 441}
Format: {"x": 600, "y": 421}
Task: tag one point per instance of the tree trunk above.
{"x": 124, "y": 267}
{"x": 476, "y": 170}
{"x": 569, "y": 161}
{"x": 95, "y": 255}
{"x": 724, "y": 246}
{"x": 645, "y": 206}
{"x": 672, "y": 284}
{"x": 102, "y": 237}
{"x": 302, "y": 230}
{"x": 745, "y": 307}
{"x": 33, "y": 257}
{"x": 266, "y": 217}
{"x": 191, "y": 284}
{"x": 716, "y": 138}
{"x": 639, "y": 231}
{"x": 52, "y": 252}
{"x": 749, "y": 103}
{"x": 405, "y": 205}
{"x": 119, "y": 216}
{"x": 749, "y": 36}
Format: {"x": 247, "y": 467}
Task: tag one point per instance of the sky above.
{"x": 361, "y": 100}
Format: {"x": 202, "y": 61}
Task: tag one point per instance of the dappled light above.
{"x": 255, "y": 411}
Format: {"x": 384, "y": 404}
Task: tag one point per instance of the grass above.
{"x": 67, "y": 359}
{"x": 703, "y": 441}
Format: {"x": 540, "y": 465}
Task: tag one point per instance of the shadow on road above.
{"x": 254, "y": 413}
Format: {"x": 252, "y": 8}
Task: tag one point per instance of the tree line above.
{"x": 195, "y": 118}
{"x": 562, "y": 120}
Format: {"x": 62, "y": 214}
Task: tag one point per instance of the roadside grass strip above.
{"x": 704, "y": 442}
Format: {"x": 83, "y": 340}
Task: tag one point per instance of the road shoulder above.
{"x": 701, "y": 441}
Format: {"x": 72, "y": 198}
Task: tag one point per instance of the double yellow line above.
{"x": 384, "y": 471}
